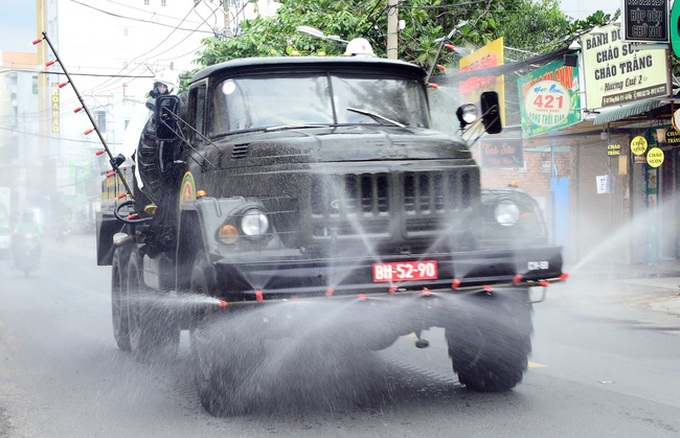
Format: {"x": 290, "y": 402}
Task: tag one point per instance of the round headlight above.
{"x": 254, "y": 223}
{"x": 506, "y": 213}
{"x": 467, "y": 113}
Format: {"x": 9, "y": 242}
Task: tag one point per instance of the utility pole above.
{"x": 43, "y": 79}
{"x": 49, "y": 109}
{"x": 227, "y": 24}
{"x": 392, "y": 29}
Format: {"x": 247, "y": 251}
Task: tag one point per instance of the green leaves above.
{"x": 535, "y": 26}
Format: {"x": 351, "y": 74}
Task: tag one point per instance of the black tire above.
{"x": 490, "y": 345}
{"x": 154, "y": 332}
{"x": 224, "y": 353}
{"x": 208, "y": 378}
{"x": 119, "y": 306}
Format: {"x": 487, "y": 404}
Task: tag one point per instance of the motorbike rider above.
{"x": 27, "y": 226}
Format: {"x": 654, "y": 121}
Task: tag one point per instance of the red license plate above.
{"x": 405, "y": 271}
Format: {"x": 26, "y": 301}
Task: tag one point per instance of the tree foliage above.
{"x": 529, "y": 25}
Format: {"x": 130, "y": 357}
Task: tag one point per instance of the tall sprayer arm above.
{"x": 112, "y": 160}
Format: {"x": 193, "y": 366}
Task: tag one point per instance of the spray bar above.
{"x": 112, "y": 159}
{"x": 455, "y": 289}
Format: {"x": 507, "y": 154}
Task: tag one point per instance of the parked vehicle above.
{"x": 279, "y": 180}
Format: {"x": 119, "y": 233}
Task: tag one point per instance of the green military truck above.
{"x": 275, "y": 182}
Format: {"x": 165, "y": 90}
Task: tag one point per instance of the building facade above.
{"x": 20, "y": 156}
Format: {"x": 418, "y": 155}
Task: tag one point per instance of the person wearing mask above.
{"x": 163, "y": 85}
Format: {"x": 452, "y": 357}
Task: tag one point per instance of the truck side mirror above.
{"x": 491, "y": 115}
{"x": 165, "y": 117}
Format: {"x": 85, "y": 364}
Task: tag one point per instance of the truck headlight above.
{"x": 254, "y": 223}
{"x": 506, "y": 213}
{"x": 467, "y": 114}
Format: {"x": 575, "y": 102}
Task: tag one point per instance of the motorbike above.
{"x": 63, "y": 232}
{"x": 26, "y": 252}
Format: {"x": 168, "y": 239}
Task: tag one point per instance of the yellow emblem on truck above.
{"x": 188, "y": 192}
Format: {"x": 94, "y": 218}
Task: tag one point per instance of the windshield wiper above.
{"x": 300, "y": 126}
{"x": 377, "y": 117}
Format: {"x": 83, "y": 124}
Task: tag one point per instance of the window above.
{"x": 100, "y": 119}
{"x": 197, "y": 113}
{"x": 146, "y": 2}
{"x": 164, "y": 3}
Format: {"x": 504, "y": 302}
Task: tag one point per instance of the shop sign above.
{"x": 54, "y": 108}
{"x": 675, "y": 28}
{"x": 616, "y": 73}
{"x": 668, "y": 135}
{"x": 655, "y": 157}
{"x": 638, "y": 145}
{"x": 501, "y": 152}
{"x": 614, "y": 149}
{"x": 549, "y": 98}
{"x": 676, "y": 120}
{"x": 645, "y": 21}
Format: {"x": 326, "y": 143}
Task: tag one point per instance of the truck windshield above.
{"x": 260, "y": 102}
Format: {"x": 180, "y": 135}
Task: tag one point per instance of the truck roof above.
{"x": 283, "y": 63}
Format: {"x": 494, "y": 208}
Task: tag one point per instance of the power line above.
{"x": 33, "y": 134}
{"x": 132, "y": 18}
{"x": 153, "y": 48}
{"x": 77, "y": 74}
{"x": 113, "y": 81}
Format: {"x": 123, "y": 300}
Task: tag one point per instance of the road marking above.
{"x": 536, "y": 365}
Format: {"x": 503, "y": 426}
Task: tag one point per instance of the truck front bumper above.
{"x": 257, "y": 279}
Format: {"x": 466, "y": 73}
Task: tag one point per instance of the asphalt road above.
{"x": 605, "y": 363}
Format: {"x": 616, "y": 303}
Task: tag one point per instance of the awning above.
{"x": 614, "y": 114}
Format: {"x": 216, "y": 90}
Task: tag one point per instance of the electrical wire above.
{"x": 104, "y": 84}
{"x": 130, "y": 18}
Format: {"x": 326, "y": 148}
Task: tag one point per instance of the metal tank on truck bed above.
{"x": 318, "y": 179}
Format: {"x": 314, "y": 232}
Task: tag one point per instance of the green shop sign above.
{"x": 549, "y": 98}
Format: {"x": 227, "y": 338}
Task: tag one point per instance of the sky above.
{"x": 581, "y": 9}
{"x": 17, "y": 25}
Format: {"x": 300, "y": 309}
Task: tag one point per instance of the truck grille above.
{"x": 350, "y": 194}
{"x": 436, "y": 191}
{"x": 352, "y": 204}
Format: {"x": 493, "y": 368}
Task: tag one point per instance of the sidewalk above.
{"x": 653, "y": 287}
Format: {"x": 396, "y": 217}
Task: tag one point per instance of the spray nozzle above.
{"x": 117, "y": 160}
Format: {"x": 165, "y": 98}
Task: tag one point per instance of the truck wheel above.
{"x": 210, "y": 369}
{"x": 490, "y": 345}
{"x": 226, "y": 369}
{"x": 225, "y": 354}
{"x": 208, "y": 378}
{"x": 121, "y": 331}
{"x": 154, "y": 333}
